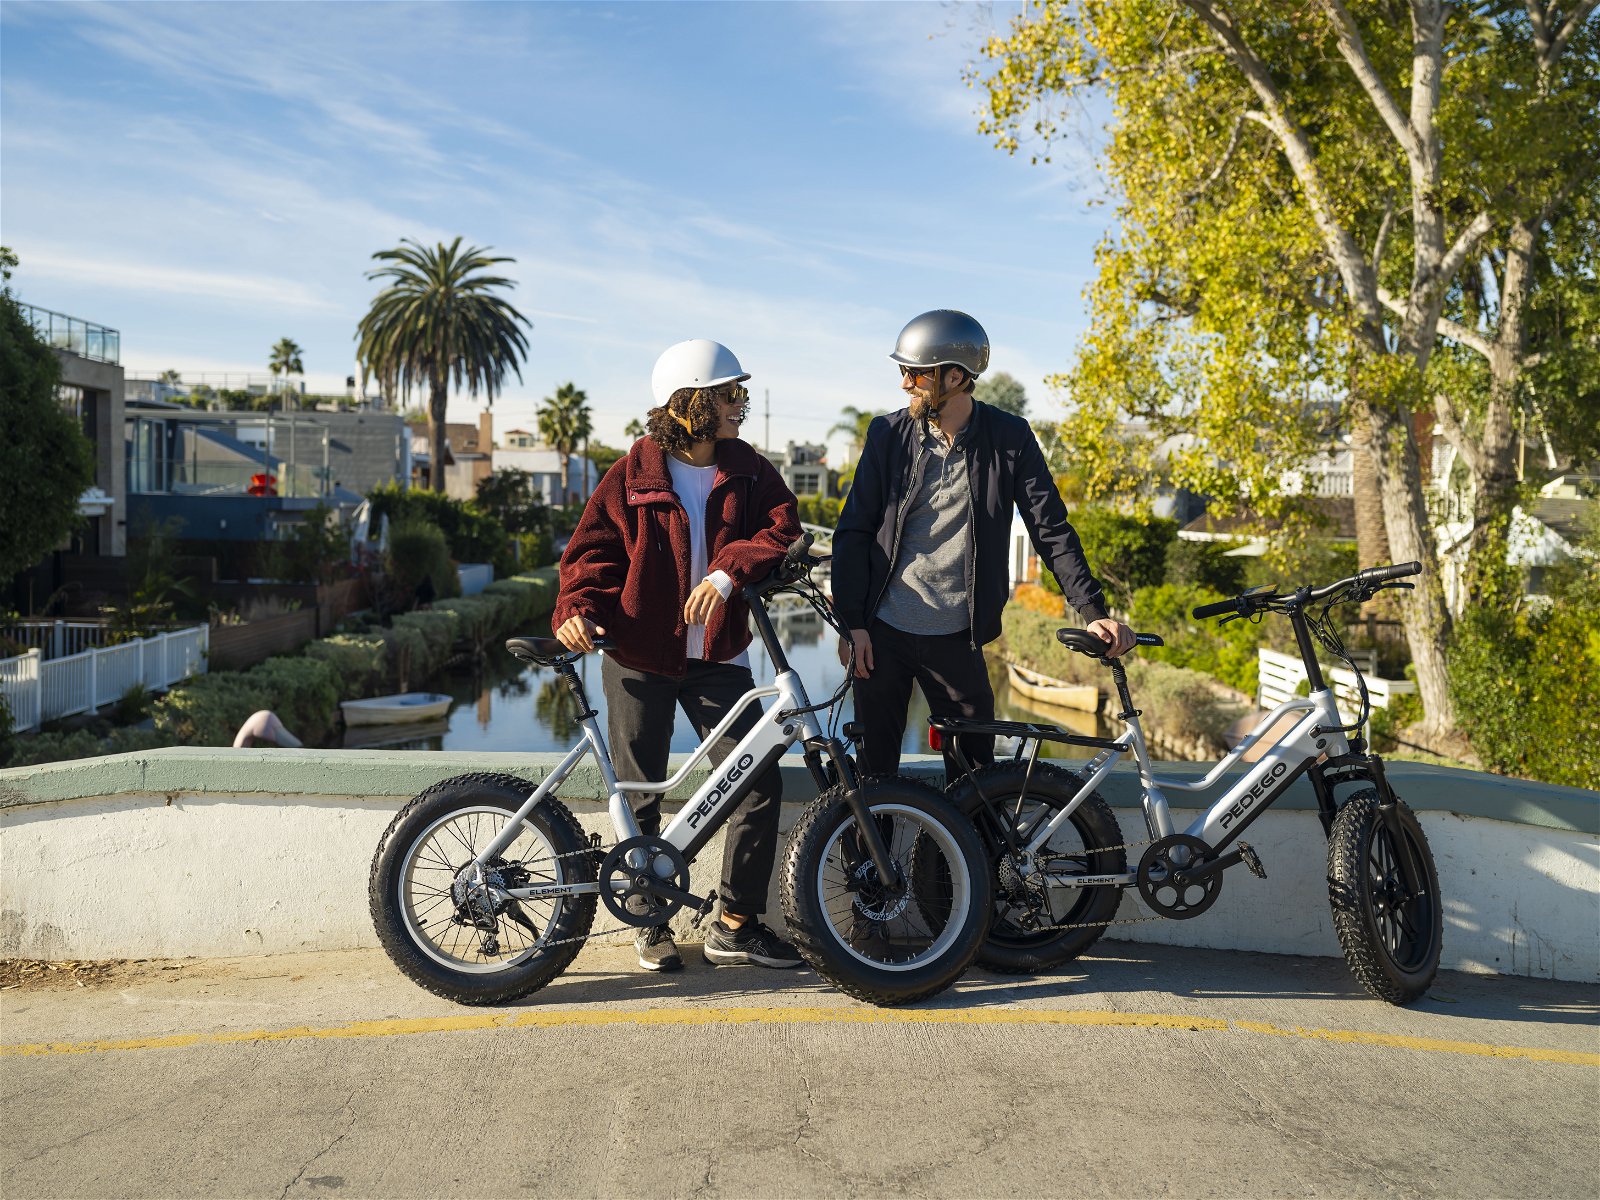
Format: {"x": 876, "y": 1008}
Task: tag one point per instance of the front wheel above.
{"x": 886, "y": 941}
{"x": 1385, "y": 896}
{"x": 460, "y": 936}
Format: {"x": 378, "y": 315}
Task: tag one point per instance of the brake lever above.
{"x": 1229, "y": 617}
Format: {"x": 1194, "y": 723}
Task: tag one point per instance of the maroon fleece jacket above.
{"x": 627, "y": 565}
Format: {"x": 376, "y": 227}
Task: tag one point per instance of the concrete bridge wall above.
{"x": 210, "y": 852}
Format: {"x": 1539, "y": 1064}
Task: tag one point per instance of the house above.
{"x": 544, "y": 464}
{"x": 520, "y": 439}
{"x": 468, "y": 454}
{"x": 93, "y": 389}
{"x": 1544, "y": 532}
{"x": 804, "y": 468}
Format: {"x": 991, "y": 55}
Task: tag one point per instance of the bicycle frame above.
{"x": 1291, "y": 755}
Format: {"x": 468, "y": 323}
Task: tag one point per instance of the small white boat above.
{"x": 393, "y": 710}
{"x": 1083, "y": 697}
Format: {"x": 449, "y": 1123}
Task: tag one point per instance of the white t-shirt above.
{"x": 693, "y": 485}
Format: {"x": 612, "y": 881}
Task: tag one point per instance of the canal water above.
{"x": 503, "y": 705}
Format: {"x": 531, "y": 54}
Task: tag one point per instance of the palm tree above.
{"x": 439, "y": 322}
{"x": 564, "y": 423}
{"x": 853, "y": 424}
{"x": 285, "y": 360}
{"x": 634, "y": 429}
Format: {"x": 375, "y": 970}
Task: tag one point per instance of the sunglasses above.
{"x": 915, "y": 373}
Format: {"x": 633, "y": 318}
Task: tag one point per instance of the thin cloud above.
{"x": 129, "y": 275}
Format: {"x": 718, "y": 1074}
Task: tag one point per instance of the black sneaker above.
{"x": 751, "y": 943}
{"x": 657, "y": 951}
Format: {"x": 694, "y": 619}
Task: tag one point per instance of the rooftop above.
{"x": 74, "y": 335}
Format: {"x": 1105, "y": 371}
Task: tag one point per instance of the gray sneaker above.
{"x": 657, "y": 951}
{"x": 751, "y": 943}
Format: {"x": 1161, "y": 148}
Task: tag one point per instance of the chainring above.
{"x": 623, "y": 882}
{"x": 1162, "y": 885}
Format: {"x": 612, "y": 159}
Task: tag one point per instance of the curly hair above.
{"x": 697, "y": 406}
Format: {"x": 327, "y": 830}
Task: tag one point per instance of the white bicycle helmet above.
{"x": 697, "y": 363}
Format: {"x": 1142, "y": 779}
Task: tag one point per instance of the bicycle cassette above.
{"x": 1163, "y": 880}
{"x": 628, "y": 870}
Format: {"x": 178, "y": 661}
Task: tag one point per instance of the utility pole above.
{"x": 766, "y": 406}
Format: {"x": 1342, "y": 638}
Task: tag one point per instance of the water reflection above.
{"x": 503, "y": 705}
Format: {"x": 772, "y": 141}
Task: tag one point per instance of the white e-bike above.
{"x": 484, "y": 888}
{"x": 1060, "y": 863}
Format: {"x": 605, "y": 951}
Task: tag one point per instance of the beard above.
{"x": 922, "y": 408}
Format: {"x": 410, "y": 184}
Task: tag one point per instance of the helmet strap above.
{"x": 683, "y": 419}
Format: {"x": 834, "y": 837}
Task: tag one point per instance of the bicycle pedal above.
{"x": 704, "y": 911}
{"x": 1252, "y": 860}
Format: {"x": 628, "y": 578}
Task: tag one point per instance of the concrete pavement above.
{"x": 1144, "y": 1070}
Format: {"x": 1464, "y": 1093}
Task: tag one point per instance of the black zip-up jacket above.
{"x": 1005, "y": 471}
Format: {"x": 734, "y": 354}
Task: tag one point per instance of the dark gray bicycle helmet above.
{"x": 943, "y": 337}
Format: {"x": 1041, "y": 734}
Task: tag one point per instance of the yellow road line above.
{"x": 594, "y": 1018}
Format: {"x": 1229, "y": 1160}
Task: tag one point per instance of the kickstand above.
{"x": 704, "y": 911}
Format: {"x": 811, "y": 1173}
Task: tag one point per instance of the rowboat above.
{"x": 395, "y": 709}
{"x": 1084, "y": 697}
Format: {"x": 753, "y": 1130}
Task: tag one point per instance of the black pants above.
{"x": 640, "y": 710}
{"x": 952, "y": 676}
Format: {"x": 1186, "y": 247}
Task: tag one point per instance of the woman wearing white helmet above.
{"x": 676, "y": 528}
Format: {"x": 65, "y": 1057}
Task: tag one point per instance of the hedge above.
{"x": 305, "y": 690}
{"x": 1182, "y": 708}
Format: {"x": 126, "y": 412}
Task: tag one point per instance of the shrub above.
{"x": 359, "y": 660}
{"x": 536, "y": 591}
{"x": 1524, "y": 690}
{"x": 1039, "y": 599}
{"x": 417, "y": 552}
{"x": 1226, "y": 652}
{"x": 436, "y": 631}
{"x": 1206, "y": 565}
{"x": 1125, "y": 552}
{"x": 8, "y": 738}
{"x": 207, "y": 710}
{"x": 471, "y": 534}
{"x": 84, "y": 743}
{"x": 534, "y": 549}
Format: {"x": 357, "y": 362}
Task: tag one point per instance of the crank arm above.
{"x": 1206, "y": 870}
{"x": 665, "y": 891}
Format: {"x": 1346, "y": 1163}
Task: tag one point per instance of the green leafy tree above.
{"x": 1003, "y": 391}
{"x": 565, "y": 423}
{"x": 603, "y": 457}
{"x": 284, "y": 361}
{"x": 510, "y": 496}
{"x": 1311, "y": 198}
{"x": 440, "y": 321}
{"x": 853, "y": 423}
{"x": 46, "y": 462}
{"x": 634, "y": 429}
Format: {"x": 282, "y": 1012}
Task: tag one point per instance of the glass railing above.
{"x": 74, "y": 335}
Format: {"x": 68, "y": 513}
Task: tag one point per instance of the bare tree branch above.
{"x": 1570, "y": 26}
{"x": 1445, "y": 414}
{"x": 1222, "y": 165}
{"x": 1454, "y": 330}
{"x": 1355, "y": 53}
{"x": 1342, "y": 247}
{"x": 1382, "y": 239}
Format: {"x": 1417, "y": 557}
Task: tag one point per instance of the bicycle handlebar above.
{"x": 1244, "y": 605}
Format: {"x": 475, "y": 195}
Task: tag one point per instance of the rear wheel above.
{"x": 449, "y": 932}
{"x": 1385, "y": 895}
{"x": 1017, "y": 942}
{"x": 893, "y": 941}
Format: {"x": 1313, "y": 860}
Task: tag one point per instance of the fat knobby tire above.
{"x": 554, "y": 821}
{"x": 1025, "y": 954}
{"x": 1350, "y": 894}
{"x": 807, "y": 921}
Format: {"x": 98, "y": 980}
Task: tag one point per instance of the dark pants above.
{"x": 953, "y": 678}
{"x": 640, "y": 710}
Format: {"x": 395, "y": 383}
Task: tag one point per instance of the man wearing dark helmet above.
{"x": 920, "y": 554}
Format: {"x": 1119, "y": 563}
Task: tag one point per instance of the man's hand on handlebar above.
{"x": 863, "y": 648}
{"x": 1116, "y": 633}
{"x": 578, "y": 633}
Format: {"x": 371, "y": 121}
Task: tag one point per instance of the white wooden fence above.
{"x": 38, "y": 689}
{"x": 1282, "y": 674}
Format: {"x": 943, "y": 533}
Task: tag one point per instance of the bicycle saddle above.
{"x": 544, "y": 652}
{"x": 1095, "y": 646}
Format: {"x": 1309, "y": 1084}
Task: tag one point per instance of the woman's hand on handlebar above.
{"x": 702, "y": 602}
{"x": 863, "y": 648}
{"x": 578, "y": 633}
{"x": 1116, "y": 633}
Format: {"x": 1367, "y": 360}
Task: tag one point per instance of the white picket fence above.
{"x": 1280, "y": 676}
{"x": 38, "y": 689}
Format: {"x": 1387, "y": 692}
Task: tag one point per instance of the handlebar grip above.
{"x": 1216, "y": 608}
{"x": 1382, "y": 574}
{"x": 798, "y": 549}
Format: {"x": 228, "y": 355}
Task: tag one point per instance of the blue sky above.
{"x": 796, "y": 180}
